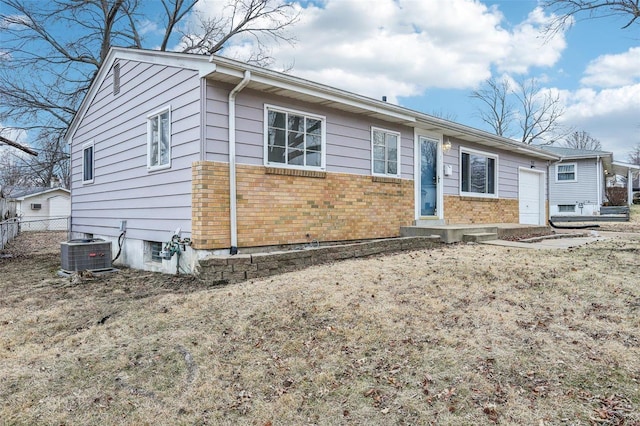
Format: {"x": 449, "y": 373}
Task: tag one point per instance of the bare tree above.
{"x": 568, "y": 10}
{"x": 497, "y": 111}
{"x": 445, "y": 115}
{"x": 634, "y": 155}
{"x": 582, "y": 140}
{"x": 541, "y": 111}
{"x": 61, "y": 64}
{"x": 11, "y": 173}
{"x": 16, "y": 145}
{"x": 536, "y": 112}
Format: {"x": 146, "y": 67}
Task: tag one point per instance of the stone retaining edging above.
{"x": 229, "y": 269}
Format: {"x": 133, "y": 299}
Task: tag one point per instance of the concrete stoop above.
{"x": 477, "y": 237}
{"x": 476, "y": 233}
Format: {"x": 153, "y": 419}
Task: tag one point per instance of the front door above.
{"x": 428, "y": 176}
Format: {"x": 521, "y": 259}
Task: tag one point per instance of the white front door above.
{"x": 531, "y": 197}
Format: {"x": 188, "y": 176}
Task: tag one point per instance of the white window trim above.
{"x": 399, "y": 148}
{"x": 150, "y": 116}
{"x": 323, "y": 137}
{"x": 464, "y": 150}
{"x": 93, "y": 162}
{"x": 575, "y": 172}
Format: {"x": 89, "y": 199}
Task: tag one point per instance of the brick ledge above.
{"x": 295, "y": 172}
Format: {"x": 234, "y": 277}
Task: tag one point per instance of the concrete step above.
{"x": 476, "y": 237}
{"x": 448, "y": 234}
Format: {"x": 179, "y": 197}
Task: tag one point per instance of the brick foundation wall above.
{"x": 283, "y": 206}
{"x": 461, "y": 210}
{"x": 210, "y": 205}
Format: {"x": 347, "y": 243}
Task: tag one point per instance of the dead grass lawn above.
{"x": 463, "y": 334}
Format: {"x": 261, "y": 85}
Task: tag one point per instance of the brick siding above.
{"x": 463, "y": 210}
{"x": 282, "y": 206}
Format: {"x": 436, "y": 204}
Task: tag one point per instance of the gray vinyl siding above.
{"x": 348, "y": 148}
{"x": 585, "y": 190}
{"x": 153, "y": 203}
{"x": 508, "y": 166}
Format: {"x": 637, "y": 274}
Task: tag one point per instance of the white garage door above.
{"x": 531, "y": 196}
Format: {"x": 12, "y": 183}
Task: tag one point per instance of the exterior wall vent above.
{"x": 85, "y": 254}
{"x": 36, "y": 206}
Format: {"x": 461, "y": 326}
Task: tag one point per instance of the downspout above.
{"x": 601, "y": 177}
{"x": 233, "y": 210}
{"x": 629, "y": 186}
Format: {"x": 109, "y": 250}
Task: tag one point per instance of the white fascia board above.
{"x": 190, "y": 61}
{"x": 452, "y": 129}
{"x": 309, "y": 88}
{"x": 37, "y": 194}
{"x": 626, "y": 165}
{"x": 332, "y": 97}
{"x": 586, "y": 157}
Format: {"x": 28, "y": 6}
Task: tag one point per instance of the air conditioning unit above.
{"x": 36, "y": 206}
{"x": 85, "y": 254}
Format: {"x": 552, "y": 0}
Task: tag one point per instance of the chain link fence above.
{"x": 10, "y": 228}
{"x": 46, "y": 224}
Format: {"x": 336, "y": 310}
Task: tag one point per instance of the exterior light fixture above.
{"x": 446, "y": 146}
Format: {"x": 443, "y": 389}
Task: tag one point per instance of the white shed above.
{"x": 43, "y": 209}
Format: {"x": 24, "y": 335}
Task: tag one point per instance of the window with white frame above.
{"x": 478, "y": 173}
{"x": 87, "y": 162}
{"x": 159, "y": 139}
{"x": 566, "y": 208}
{"x": 385, "y": 145}
{"x": 567, "y": 172}
{"x": 294, "y": 139}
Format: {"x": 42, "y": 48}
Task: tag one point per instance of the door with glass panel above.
{"x": 428, "y": 176}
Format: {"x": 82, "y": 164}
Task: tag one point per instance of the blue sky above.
{"x": 429, "y": 55}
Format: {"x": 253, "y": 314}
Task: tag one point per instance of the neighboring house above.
{"x": 43, "y": 209}
{"x": 578, "y": 181}
{"x": 235, "y": 156}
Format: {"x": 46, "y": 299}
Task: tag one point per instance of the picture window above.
{"x": 478, "y": 173}
{"x": 294, "y": 139}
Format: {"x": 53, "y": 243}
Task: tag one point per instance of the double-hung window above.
{"x": 87, "y": 162}
{"x": 478, "y": 173}
{"x": 385, "y": 147}
{"x": 566, "y": 172}
{"x": 294, "y": 139}
{"x": 159, "y": 139}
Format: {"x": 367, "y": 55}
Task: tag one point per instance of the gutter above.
{"x": 233, "y": 209}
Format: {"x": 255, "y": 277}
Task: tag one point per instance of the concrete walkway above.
{"x": 555, "y": 243}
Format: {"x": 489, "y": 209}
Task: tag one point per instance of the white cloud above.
{"x": 403, "y": 47}
{"x": 146, "y": 27}
{"x": 610, "y": 115}
{"x": 529, "y": 46}
{"x": 613, "y": 70}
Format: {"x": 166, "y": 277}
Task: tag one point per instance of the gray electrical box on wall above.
{"x": 81, "y": 255}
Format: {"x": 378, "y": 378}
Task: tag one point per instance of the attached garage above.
{"x": 531, "y": 196}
